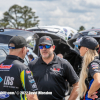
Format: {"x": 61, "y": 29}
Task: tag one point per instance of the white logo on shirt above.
{"x": 8, "y": 80}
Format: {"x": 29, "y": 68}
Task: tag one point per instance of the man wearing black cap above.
{"x": 15, "y": 77}
{"x": 51, "y": 73}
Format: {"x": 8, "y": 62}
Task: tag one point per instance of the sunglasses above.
{"x": 46, "y": 46}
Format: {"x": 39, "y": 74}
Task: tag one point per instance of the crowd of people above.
{"x": 46, "y": 76}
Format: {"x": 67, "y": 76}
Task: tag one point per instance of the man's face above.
{"x": 46, "y": 50}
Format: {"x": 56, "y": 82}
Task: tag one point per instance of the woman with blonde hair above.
{"x": 89, "y": 83}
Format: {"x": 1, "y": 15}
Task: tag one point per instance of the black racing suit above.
{"x": 15, "y": 79}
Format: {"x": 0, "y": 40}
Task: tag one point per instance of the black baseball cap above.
{"x": 18, "y": 41}
{"x": 88, "y": 42}
{"x": 46, "y": 40}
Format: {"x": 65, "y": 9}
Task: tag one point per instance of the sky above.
{"x": 71, "y": 13}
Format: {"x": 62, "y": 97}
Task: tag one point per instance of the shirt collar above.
{"x": 54, "y": 61}
{"x": 96, "y": 57}
{"x": 15, "y": 58}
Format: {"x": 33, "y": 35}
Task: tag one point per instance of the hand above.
{"x": 93, "y": 96}
{"x": 32, "y": 97}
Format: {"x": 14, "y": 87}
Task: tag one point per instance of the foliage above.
{"x": 19, "y": 17}
{"x": 81, "y": 28}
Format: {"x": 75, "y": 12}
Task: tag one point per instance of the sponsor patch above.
{"x": 8, "y": 80}
{"x": 30, "y": 76}
{"x": 34, "y": 85}
{"x": 65, "y": 29}
{"x": 94, "y": 66}
{"x": 47, "y": 39}
{"x": 5, "y": 67}
{"x": 72, "y": 31}
{"x": 28, "y": 72}
{"x": 31, "y": 81}
{"x": 56, "y": 69}
{"x": 3, "y": 95}
{"x": 96, "y": 70}
{"x": 62, "y": 32}
{"x": 1, "y": 79}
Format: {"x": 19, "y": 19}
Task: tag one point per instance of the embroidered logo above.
{"x": 56, "y": 69}
{"x": 47, "y": 39}
{"x": 5, "y": 67}
{"x": 28, "y": 72}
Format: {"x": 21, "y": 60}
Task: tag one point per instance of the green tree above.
{"x": 28, "y": 17}
{"x": 81, "y": 28}
{"x": 3, "y": 24}
{"x": 20, "y": 17}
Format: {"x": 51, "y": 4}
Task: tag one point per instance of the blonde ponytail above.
{"x": 88, "y": 58}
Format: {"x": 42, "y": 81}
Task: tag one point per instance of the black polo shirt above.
{"x": 14, "y": 78}
{"x": 52, "y": 77}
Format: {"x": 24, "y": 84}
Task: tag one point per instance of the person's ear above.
{"x": 53, "y": 47}
{"x": 87, "y": 49}
{"x": 23, "y": 49}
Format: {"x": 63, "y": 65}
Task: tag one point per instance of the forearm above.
{"x": 74, "y": 93}
{"x": 94, "y": 87}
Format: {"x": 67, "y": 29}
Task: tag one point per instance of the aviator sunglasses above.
{"x": 46, "y": 46}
